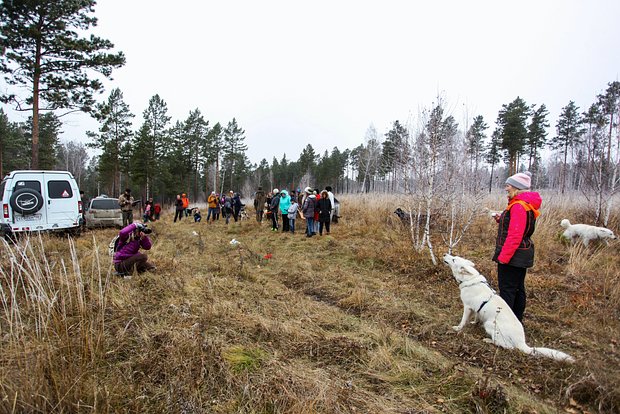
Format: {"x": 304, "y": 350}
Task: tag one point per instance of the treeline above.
{"x": 52, "y": 65}
{"x": 196, "y": 155}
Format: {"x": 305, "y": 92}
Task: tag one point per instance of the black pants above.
{"x": 179, "y": 214}
{"x": 274, "y": 220}
{"x": 324, "y": 223}
{"x": 285, "y": 226}
{"x": 511, "y": 282}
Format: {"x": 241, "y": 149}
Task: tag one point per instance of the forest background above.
{"x": 51, "y": 70}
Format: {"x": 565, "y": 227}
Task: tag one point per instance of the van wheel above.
{"x": 26, "y": 201}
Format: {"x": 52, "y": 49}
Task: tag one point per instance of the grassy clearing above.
{"x": 352, "y": 322}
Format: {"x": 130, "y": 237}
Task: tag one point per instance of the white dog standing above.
{"x": 483, "y": 304}
{"x": 586, "y": 232}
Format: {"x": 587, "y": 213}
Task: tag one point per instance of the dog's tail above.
{"x": 565, "y": 223}
{"x": 549, "y": 353}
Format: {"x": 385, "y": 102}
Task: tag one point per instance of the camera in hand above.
{"x": 143, "y": 228}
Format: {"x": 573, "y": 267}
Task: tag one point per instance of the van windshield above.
{"x": 105, "y": 204}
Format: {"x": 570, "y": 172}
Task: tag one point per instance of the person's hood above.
{"x": 284, "y": 193}
{"x": 311, "y": 196}
{"x": 530, "y": 197}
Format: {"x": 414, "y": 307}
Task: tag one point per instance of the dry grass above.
{"x": 354, "y": 322}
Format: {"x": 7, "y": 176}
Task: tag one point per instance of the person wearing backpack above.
{"x": 128, "y": 256}
{"x": 227, "y": 209}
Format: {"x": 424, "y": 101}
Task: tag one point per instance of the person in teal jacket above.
{"x": 285, "y": 203}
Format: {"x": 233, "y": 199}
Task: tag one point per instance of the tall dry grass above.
{"x": 355, "y": 322}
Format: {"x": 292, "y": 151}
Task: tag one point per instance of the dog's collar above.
{"x": 484, "y": 282}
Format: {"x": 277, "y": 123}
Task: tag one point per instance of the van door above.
{"x": 24, "y": 195}
{"x": 61, "y": 201}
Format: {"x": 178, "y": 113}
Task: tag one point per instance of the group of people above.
{"x": 126, "y": 201}
{"x": 514, "y": 252}
{"x": 315, "y": 206}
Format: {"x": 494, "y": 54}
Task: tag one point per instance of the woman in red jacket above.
{"x": 514, "y": 249}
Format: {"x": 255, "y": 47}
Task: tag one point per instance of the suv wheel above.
{"x": 26, "y": 201}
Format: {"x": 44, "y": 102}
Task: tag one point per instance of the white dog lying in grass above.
{"x": 483, "y": 304}
{"x": 586, "y": 233}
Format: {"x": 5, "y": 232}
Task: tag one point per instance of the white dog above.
{"x": 586, "y": 232}
{"x": 483, "y": 304}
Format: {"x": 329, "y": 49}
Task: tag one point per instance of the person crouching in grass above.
{"x": 128, "y": 257}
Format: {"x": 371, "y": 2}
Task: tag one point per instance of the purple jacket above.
{"x": 133, "y": 246}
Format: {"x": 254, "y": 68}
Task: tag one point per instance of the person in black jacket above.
{"x": 274, "y": 206}
{"x": 324, "y": 206}
{"x": 179, "y": 209}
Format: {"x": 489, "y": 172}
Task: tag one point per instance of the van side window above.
{"x": 59, "y": 189}
{"x": 31, "y": 184}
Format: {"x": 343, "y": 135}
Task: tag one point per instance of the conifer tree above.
{"x": 493, "y": 153}
{"x": 45, "y": 55}
{"x": 537, "y": 133}
{"x": 511, "y": 122}
{"x": 475, "y": 141}
{"x": 609, "y": 102}
{"x": 212, "y": 153}
{"x": 569, "y": 132}
{"x": 234, "y": 160}
{"x": 150, "y": 144}
{"x": 115, "y": 130}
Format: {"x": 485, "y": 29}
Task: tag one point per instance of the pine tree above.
{"x": 395, "y": 151}
{"x": 537, "y": 133}
{"x": 513, "y": 131}
{"x": 115, "y": 119}
{"x": 609, "y": 102}
{"x": 48, "y": 140}
{"x": 44, "y": 54}
{"x": 234, "y": 160}
{"x": 14, "y": 147}
{"x": 493, "y": 153}
{"x": 150, "y": 144}
{"x": 475, "y": 141}
{"x": 307, "y": 162}
{"x": 196, "y": 130}
{"x": 212, "y": 152}
{"x": 569, "y": 132}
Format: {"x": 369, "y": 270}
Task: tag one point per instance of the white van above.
{"x": 40, "y": 200}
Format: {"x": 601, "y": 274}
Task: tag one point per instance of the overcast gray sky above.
{"x": 321, "y": 72}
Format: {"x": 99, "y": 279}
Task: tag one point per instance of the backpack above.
{"x": 115, "y": 245}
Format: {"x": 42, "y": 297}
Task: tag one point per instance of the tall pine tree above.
{"x": 115, "y": 130}
{"x": 45, "y": 55}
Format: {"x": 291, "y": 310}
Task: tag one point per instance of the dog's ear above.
{"x": 468, "y": 270}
